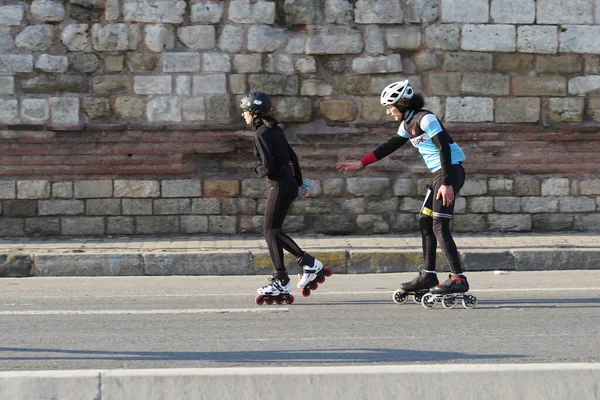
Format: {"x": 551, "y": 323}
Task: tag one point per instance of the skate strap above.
{"x": 458, "y": 278}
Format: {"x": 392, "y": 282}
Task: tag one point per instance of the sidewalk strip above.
{"x": 144, "y": 312}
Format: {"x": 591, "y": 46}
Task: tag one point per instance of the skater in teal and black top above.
{"x": 278, "y": 163}
{"x": 444, "y": 159}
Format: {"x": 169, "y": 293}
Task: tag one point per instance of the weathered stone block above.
{"x": 469, "y": 62}
{"x": 581, "y": 85}
{"x": 12, "y": 14}
{"x": 179, "y": 62}
{"x": 444, "y": 84}
{"x": 11, "y": 227}
{"x": 579, "y": 39}
{"x": 120, "y": 226}
{"x": 103, "y": 207}
{"x": 539, "y": 204}
{"x": 518, "y": 109}
{"x": 193, "y": 223}
{"x": 294, "y": 109}
{"x": 338, "y": 110}
{"x": 231, "y": 39}
{"x": 172, "y": 206}
{"x": 333, "y": 187}
{"x": 115, "y": 37}
{"x": 49, "y": 63}
{"x": 35, "y": 37}
{"x": 500, "y": 186}
{"x": 76, "y": 37}
{"x": 442, "y": 37}
{"x": 358, "y": 85}
{"x": 216, "y": 62}
{"x": 527, "y": 187}
{"x": 103, "y": 85}
{"x": 378, "y": 12}
{"x": 84, "y": 62}
{"x": 93, "y": 189}
{"x": 6, "y": 39}
{"x": 8, "y": 190}
{"x": 222, "y": 224}
{"x": 274, "y": 84}
{"x": 558, "y": 12}
{"x": 404, "y": 38}
{"x": 514, "y": 62}
{"x": 207, "y": 12}
{"x": 164, "y": 109}
{"x": 367, "y": 186}
{"x": 198, "y": 37}
{"x": 262, "y": 38}
{"x": 9, "y": 113}
{"x": 208, "y": 83}
{"x": 480, "y": 204}
{"x": 552, "y": 222}
{"x": 244, "y": 12}
{"x": 170, "y": 11}
{"x": 512, "y": 11}
{"x": 537, "y": 39}
{"x": 141, "y": 62}
{"x": 62, "y": 190}
{"x": 60, "y": 207}
{"x": 377, "y": 65}
{"x": 469, "y": 109}
{"x": 183, "y": 85}
{"x": 137, "y": 206}
{"x": 540, "y": 85}
{"x": 509, "y": 223}
{"x": 334, "y": 40}
{"x": 129, "y": 107}
{"x": 95, "y": 108}
{"x": 576, "y": 204}
{"x": 193, "y": 109}
{"x": 567, "y": 109}
{"x": 474, "y": 187}
{"x": 206, "y": 206}
{"x": 136, "y": 188}
{"x": 239, "y": 206}
{"x": 255, "y": 188}
{"x": 422, "y": 11}
{"x": 158, "y": 38}
{"x": 65, "y": 110}
{"x": 485, "y": 84}
{"x": 389, "y": 206}
{"x": 42, "y": 226}
{"x": 157, "y": 225}
{"x": 181, "y": 188}
{"x": 590, "y": 187}
{"x": 562, "y": 64}
{"x": 153, "y": 84}
{"x": 507, "y": 204}
{"x": 465, "y": 11}
{"x": 19, "y": 208}
{"x": 501, "y": 38}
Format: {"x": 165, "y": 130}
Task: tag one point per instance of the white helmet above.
{"x": 396, "y": 91}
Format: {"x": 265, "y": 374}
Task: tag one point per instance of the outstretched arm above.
{"x": 380, "y": 152}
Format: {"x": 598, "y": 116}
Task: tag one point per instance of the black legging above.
{"x": 281, "y": 195}
{"x": 435, "y": 223}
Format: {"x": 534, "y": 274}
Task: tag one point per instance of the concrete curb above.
{"x": 251, "y": 263}
{"x": 450, "y": 382}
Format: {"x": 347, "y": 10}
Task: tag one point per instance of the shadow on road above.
{"x": 582, "y": 302}
{"x": 365, "y": 355}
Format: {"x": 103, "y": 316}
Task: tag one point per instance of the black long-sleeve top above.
{"x": 274, "y": 153}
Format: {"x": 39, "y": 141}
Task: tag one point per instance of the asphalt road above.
{"x": 172, "y": 322}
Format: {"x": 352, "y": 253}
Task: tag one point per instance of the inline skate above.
{"x": 448, "y": 293}
{"x": 313, "y": 273}
{"x": 417, "y": 287}
{"x": 276, "y": 291}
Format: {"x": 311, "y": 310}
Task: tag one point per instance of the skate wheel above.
{"x": 428, "y": 301}
{"x": 417, "y": 297}
{"x": 399, "y": 297}
{"x": 279, "y": 301}
{"x": 305, "y": 292}
{"x": 327, "y": 271}
{"x": 313, "y": 285}
{"x": 260, "y": 300}
{"x": 289, "y": 299}
{"x": 269, "y": 300}
{"x": 448, "y": 301}
{"x": 320, "y": 278}
{"x": 469, "y": 301}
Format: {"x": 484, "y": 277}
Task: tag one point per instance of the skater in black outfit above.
{"x": 278, "y": 162}
{"x": 444, "y": 159}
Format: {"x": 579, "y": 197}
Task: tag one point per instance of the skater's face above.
{"x": 394, "y": 112}
{"x": 247, "y": 117}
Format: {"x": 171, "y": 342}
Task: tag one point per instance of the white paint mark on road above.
{"x": 133, "y": 312}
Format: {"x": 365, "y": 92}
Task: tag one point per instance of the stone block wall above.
{"x": 96, "y": 95}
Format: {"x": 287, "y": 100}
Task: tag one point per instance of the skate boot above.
{"x": 417, "y": 287}
{"x": 449, "y": 292}
{"x": 276, "y": 291}
{"x": 313, "y": 273}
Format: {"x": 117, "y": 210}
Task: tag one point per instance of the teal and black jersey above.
{"x": 421, "y": 127}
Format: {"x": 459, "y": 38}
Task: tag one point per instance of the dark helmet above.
{"x": 256, "y": 103}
